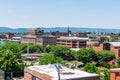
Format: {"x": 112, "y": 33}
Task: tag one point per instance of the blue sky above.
{"x": 60, "y": 13}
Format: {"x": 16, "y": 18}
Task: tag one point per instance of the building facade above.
{"x": 72, "y": 42}
{"x": 9, "y": 35}
{"x": 111, "y": 46}
{"x": 36, "y": 31}
{"x": 115, "y": 74}
{"x": 92, "y": 43}
{"x": 82, "y": 34}
{"x": 39, "y": 39}
{"x": 37, "y": 36}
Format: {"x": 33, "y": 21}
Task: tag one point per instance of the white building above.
{"x": 49, "y": 72}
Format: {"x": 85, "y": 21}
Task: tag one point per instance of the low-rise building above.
{"x": 9, "y": 35}
{"x": 36, "y": 31}
{"x": 37, "y": 36}
{"x": 92, "y": 43}
{"x": 82, "y": 34}
{"x": 72, "y": 42}
{"x": 115, "y": 74}
{"x": 111, "y": 46}
{"x": 39, "y": 39}
{"x": 15, "y": 39}
{"x": 49, "y": 72}
{"x": 59, "y": 34}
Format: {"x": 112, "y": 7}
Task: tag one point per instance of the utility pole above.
{"x": 58, "y": 70}
{"x": 28, "y": 47}
{"x": 58, "y": 74}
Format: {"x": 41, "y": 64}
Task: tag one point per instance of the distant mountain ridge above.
{"x": 61, "y": 29}
{"x": 18, "y": 30}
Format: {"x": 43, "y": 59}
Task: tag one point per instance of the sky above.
{"x": 60, "y": 13}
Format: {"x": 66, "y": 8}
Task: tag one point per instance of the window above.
{"x": 33, "y": 77}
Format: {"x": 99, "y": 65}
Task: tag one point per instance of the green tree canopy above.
{"x": 118, "y": 61}
{"x": 8, "y": 61}
{"x": 92, "y": 37}
{"x": 33, "y": 48}
{"x": 91, "y": 68}
{"x": 49, "y": 48}
{"x": 12, "y": 46}
{"x": 114, "y": 39}
{"x": 60, "y": 51}
{"x": 50, "y": 59}
{"x": 104, "y": 57}
{"x": 86, "y": 55}
{"x": 106, "y": 74}
{"x": 63, "y": 52}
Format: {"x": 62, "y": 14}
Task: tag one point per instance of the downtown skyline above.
{"x": 60, "y": 13}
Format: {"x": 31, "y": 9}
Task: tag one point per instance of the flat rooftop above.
{"x": 66, "y": 73}
{"x": 116, "y": 44}
{"x": 73, "y": 38}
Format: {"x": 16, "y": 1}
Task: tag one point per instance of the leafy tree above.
{"x": 8, "y": 61}
{"x": 86, "y": 55}
{"x": 32, "y": 48}
{"x": 118, "y": 61}
{"x": 23, "y": 47}
{"x": 49, "y": 48}
{"x": 35, "y": 48}
{"x": 112, "y": 33}
{"x": 60, "y": 51}
{"x": 73, "y": 53}
{"x": 104, "y": 57}
{"x": 105, "y": 38}
{"x": 114, "y": 39}
{"x": 92, "y": 37}
{"x": 50, "y": 59}
{"x": 91, "y": 68}
{"x": 12, "y": 46}
{"x": 106, "y": 74}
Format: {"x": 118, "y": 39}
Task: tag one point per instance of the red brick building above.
{"x": 112, "y": 46}
{"x": 59, "y": 34}
{"x": 82, "y": 34}
{"x": 9, "y": 35}
{"x": 49, "y": 72}
{"x": 115, "y": 74}
{"x": 2, "y": 37}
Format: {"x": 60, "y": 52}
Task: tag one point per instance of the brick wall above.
{"x": 115, "y": 75}
{"x": 41, "y": 76}
{"x": 112, "y": 48}
{"x": 98, "y": 48}
{"x": 29, "y": 73}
